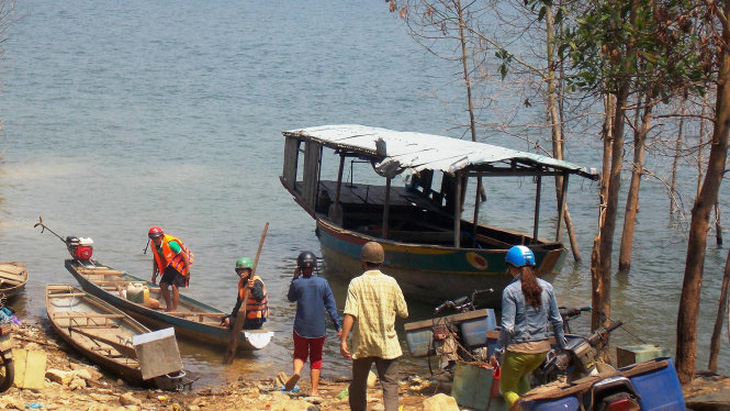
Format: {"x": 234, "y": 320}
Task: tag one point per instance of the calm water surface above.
{"x": 119, "y": 116}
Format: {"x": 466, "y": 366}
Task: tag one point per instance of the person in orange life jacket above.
{"x": 257, "y": 304}
{"x": 172, "y": 261}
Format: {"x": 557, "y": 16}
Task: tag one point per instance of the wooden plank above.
{"x": 11, "y": 268}
{"x": 100, "y": 272}
{"x": 195, "y": 314}
{"x": 90, "y": 315}
{"x": 12, "y": 283}
{"x": 126, "y": 350}
{"x": 69, "y": 295}
{"x": 13, "y": 276}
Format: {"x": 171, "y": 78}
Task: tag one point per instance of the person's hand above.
{"x": 296, "y": 272}
{"x": 250, "y": 283}
{"x": 226, "y": 322}
{"x": 493, "y": 361}
{"x": 343, "y": 349}
{"x": 339, "y": 333}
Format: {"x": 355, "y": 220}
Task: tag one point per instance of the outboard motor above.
{"x": 80, "y": 248}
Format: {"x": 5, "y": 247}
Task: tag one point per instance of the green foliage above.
{"x": 651, "y": 47}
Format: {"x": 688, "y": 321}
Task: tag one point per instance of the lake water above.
{"x": 123, "y": 115}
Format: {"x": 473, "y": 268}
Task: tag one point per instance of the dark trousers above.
{"x": 388, "y": 374}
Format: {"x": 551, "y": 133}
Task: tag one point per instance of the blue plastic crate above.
{"x": 474, "y": 326}
{"x": 657, "y": 383}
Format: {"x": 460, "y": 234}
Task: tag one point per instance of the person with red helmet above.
{"x": 172, "y": 260}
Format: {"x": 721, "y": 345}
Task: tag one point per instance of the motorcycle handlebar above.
{"x": 445, "y": 304}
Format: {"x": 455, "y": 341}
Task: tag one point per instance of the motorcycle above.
{"x": 457, "y": 332}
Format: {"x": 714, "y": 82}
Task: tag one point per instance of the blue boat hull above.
{"x": 431, "y": 274}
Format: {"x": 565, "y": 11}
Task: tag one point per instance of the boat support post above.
{"x": 386, "y": 207}
{"x": 561, "y": 207}
{"x": 457, "y": 211}
{"x": 476, "y": 211}
{"x": 538, "y": 192}
{"x": 338, "y": 190}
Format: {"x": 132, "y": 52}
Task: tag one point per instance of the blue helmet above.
{"x": 520, "y": 256}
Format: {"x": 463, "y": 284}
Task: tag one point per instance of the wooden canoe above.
{"x": 96, "y": 329}
{"x": 13, "y": 277}
{"x": 194, "y": 320}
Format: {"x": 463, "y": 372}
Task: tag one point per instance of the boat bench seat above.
{"x": 492, "y": 241}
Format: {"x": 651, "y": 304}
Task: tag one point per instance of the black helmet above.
{"x": 307, "y": 259}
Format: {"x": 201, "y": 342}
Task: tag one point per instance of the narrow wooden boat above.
{"x": 433, "y": 252}
{"x": 194, "y": 320}
{"x": 99, "y": 331}
{"x": 13, "y": 277}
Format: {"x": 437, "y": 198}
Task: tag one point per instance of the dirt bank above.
{"x": 73, "y": 383}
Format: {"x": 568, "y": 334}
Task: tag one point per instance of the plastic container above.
{"x": 657, "y": 384}
{"x": 568, "y": 403}
{"x": 138, "y": 293}
{"x": 474, "y": 326}
{"x": 419, "y": 336}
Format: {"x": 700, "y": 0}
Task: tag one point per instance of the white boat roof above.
{"x": 397, "y": 151}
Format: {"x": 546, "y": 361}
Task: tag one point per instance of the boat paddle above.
{"x": 241, "y": 314}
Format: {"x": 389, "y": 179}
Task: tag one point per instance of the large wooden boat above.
{"x": 193, "y": 320}
{"x": 99, "y": 331}
{"x": 13, "y": 277}
{"x": 430, "y": 249}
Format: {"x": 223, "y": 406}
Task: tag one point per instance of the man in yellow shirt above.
{"x": 373, "y": 301}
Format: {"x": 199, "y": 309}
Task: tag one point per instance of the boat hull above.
{"x": 201, "y": 328}
{"x": 64, "y": 300}
{"x": 430, "y": 274}
{"x": 13, "y": 277}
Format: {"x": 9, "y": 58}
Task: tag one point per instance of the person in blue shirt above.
{"x": 529, "y": 309}
{"x": 313, "y": 296}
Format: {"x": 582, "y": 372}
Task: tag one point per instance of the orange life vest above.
{"x": 254, "y": 309}
{"x": 170, "y": 258}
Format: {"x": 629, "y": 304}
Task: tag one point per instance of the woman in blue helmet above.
{"x": 528, "y": 309}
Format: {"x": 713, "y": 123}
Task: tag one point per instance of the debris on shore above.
{"x": 71, "y": 382}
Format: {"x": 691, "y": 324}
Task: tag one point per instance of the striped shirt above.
{"x": 374, "y": 299}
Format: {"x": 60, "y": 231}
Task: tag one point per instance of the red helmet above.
{"x": 155, "y": 232}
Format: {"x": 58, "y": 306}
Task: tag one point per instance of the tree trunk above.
{"x": 718, "y": 225}
{"x": 675, "y": 161}
{"x": 632, "y": 200}
{"x": 558, "y": 142}
{"x": 609, "y": 220}
{"x": 601, "y": 285}
{"x": 689, "y": 302}
{"x": 722, "y": 307}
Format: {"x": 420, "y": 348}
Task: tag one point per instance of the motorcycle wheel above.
{"x": 7, "y": 373}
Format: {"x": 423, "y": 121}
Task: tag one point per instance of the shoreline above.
{"x": 72, "y": 382}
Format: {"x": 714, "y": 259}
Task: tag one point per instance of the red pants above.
{"x": 311, "y": 347}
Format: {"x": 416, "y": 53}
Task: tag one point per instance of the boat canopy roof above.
{"x": 396, "y": 151}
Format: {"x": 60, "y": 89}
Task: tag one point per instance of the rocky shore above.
{"x": 73, "y": 383}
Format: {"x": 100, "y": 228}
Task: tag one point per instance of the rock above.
{"x": 77, "y": 383}
{"x": 281, "y": 379}
{"x": 371, "y": 379}
{"x": 58, "y": 376}
{"x": 129, "y": 399}
{"x": 440, "y": 402}
{"x": 717, "y": 401}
